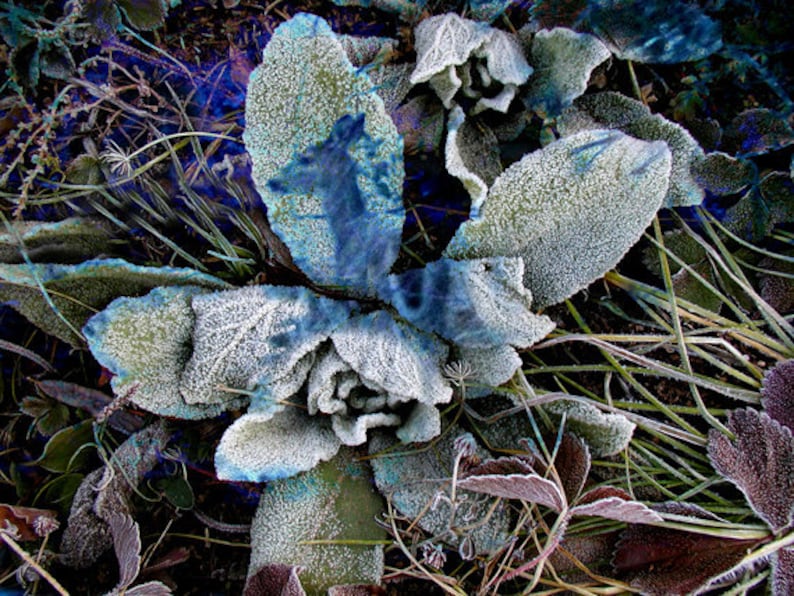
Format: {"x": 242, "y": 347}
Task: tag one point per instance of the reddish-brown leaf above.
{"x": 356, "y": 590}
{"x": 777, "y": 393}
{"x": 275, "y": 579}
{"x": 29, "y": 522}
{"x": 527, "y": 487}
{"x": 572, "y": 463}
{"x": 783, "y": 571}
{"x": 660, "y": 561}
{"x": 760, "y": 462}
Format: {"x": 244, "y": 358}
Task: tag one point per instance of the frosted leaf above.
{"x": 407, "y": 10}
{"x": 504, "y": 57}
{"x": 757, "y": 131}
{"x": 769, "y": 203}
{"x": 362, "y": 50}
{"x": 333, "y": 502}
{"x": 605, "y": 434}
{"x": 492, "y": 366}
{"x": 446, "y": 84}
{"x": 570, "y": 210}
{"x": 477, "y": 303}
{"x": 777, "y": 393}
{"x": 472, "y": 156}
{"x": 612, "y": 110}
{"x": 255, "y": 336}
{"x": 274, "y": 578}
{"x": 527, "y": 487}
{"x": 323, "y": 393}
{"x": 563, "y": 61}
{"x": 391, "y": 83}
{"x": 721, "y": 174}
{"x": 487, "y": 10}
{"x": 654, "y": 32}
{"x": 414, "y": 480}
{"x": 499, "y": 102}
{"x": 78, "y": 291}
{"x": 421, "y": 123}
{"x": 443, "y": 41}
{"x": 421, "y": 425}
{"x": 352, "y": 431}
{"x": 264, "y": 446}
{"x": 341, "y": 218}
{"x": 64, "y": 241}
{"x": 614, "y": 504}
{"x": 145, "y": 342}
{"x": 782, "y": 563}
{"x": 299, "y": 111}
{"x": 760, "y": 462}
{"x": 394, "y": 358}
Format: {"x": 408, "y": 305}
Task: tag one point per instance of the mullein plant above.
{"x": 371, "y": 353}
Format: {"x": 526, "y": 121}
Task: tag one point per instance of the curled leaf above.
{"x": 526, "y": 487}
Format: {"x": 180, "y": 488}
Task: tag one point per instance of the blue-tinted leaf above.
{"x": 303, "y": 112}
{"x": 66, "y": 241}
{"x": 78, "y": 291}
{"x": 654, "y": 31}
{"x": 334, "y": 502}
{"x": 769, "y": 203}
{"x": 336, "y": 227}
{"x": 760, "y": 462}
{"x": 478, "y": 303}
{"x": 777, "y": 393}
{"x": 757, "y": 131}
{"x": 260, "y": 447}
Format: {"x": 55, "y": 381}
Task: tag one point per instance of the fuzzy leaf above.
{"x": 769, "y": 203}
{"x": 491, "y": 366}
{"x": 760, "y": 462}
{"x": 615, "y": 111}
{"x": 782, "y": 564}
{"x": 471, "y": 154}
{"x": 504, "y": 58}
{"x": 298, "y": 117}
{"x": 414, "y": 481}
{"x": 487, "y": 10}
{"x": 127, "y": 544}
{"x": 78, "y": 291}
{"x": 275, "y": 578}
{"x": 313, "y": 506}
{"x": 420, "y": 121}
{"x": 654, "y": 32}
{"x": 264, "y": 446}
{"x": 563, "y": 61}
{"x": 619, "y": 508}
{"x": 28, "y": 523}
{"x": 605, "y": 434}
{"x": 721, "y": 174}
{"x": 777, "y": 393}
{"x": 757, "y": 131}
{"x": 474, "y": 304}
{"x": 144, "y": 14}
{"x": 407, "y": 10}
{"x": 570, "y": 210}
{"x": 145, "y": 342}
{"x": 526, "y": 487}
{"x": 662, "y": 562}
{"x": 341, "y": 218}
{"x": 444, "y": 41}
{"x": 264, "y": 334}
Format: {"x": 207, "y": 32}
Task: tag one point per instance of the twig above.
{"x": 23, "y": 554}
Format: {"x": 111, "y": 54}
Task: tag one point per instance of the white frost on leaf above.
{"x": 505, "y": 58}
{"x": 570, "y": 210}
{"x": 263, "y": 446}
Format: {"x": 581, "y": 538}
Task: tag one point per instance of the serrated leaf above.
{"x": 570, "y": 210}
{"x": 307, "y": 105}
{"x": 661, "y": 561}
{"x": 526, "y": 487}
{"x": 782, "y": 563}
{"x": 55, "y": 59}
{"x": 127, "y": 544}
{"x": 777, "y": 393}
{"x": 315, "y": 506}
{"x": 563, "y": 61}
{"x": 760, "y": 462}
{"x": 78, "y": 291}
{"x": 65, "y": 451}
{"x": 474, "y": 304}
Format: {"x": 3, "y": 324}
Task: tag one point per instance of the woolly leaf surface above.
{"x": 333, "y": 502}
{"x": 504, "y": 57}
{"x": 563, "y": 61}
{"x": 487, "y": 10}
{"x": 393, "y": 358}
{"x": 299, "y": 119}
{"x": 611, "y": 503}
{"x": 610, "y": 110}
{"x": 254, "y": 337}
{"x": 762, "y": 207}
{"x": 471, "y": 154}
{"x": 479, "y": 303}
{"x": 412, "y": 480}
{"x": 654, "y": 32}
{"x": 64, "y": 241}
{"x": 491, "y": 367}
{"x": 445, "y": 40}
{"x": 570, "y": 210}
{"x": 526, "y": 487}
{"x": 265, "y": 446}
{"x": 78, "y": 291}
{"x": 722, "y": 174}
{"x": 605, "y": 434}
{"x": 757, "y": 131}
{"x": 407, "y": 10}
{"x": 145, "y": 342}
{"x": 760, "y": 462}
{"x": 777, "y": 393}
{"x": 782, "y": 563}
